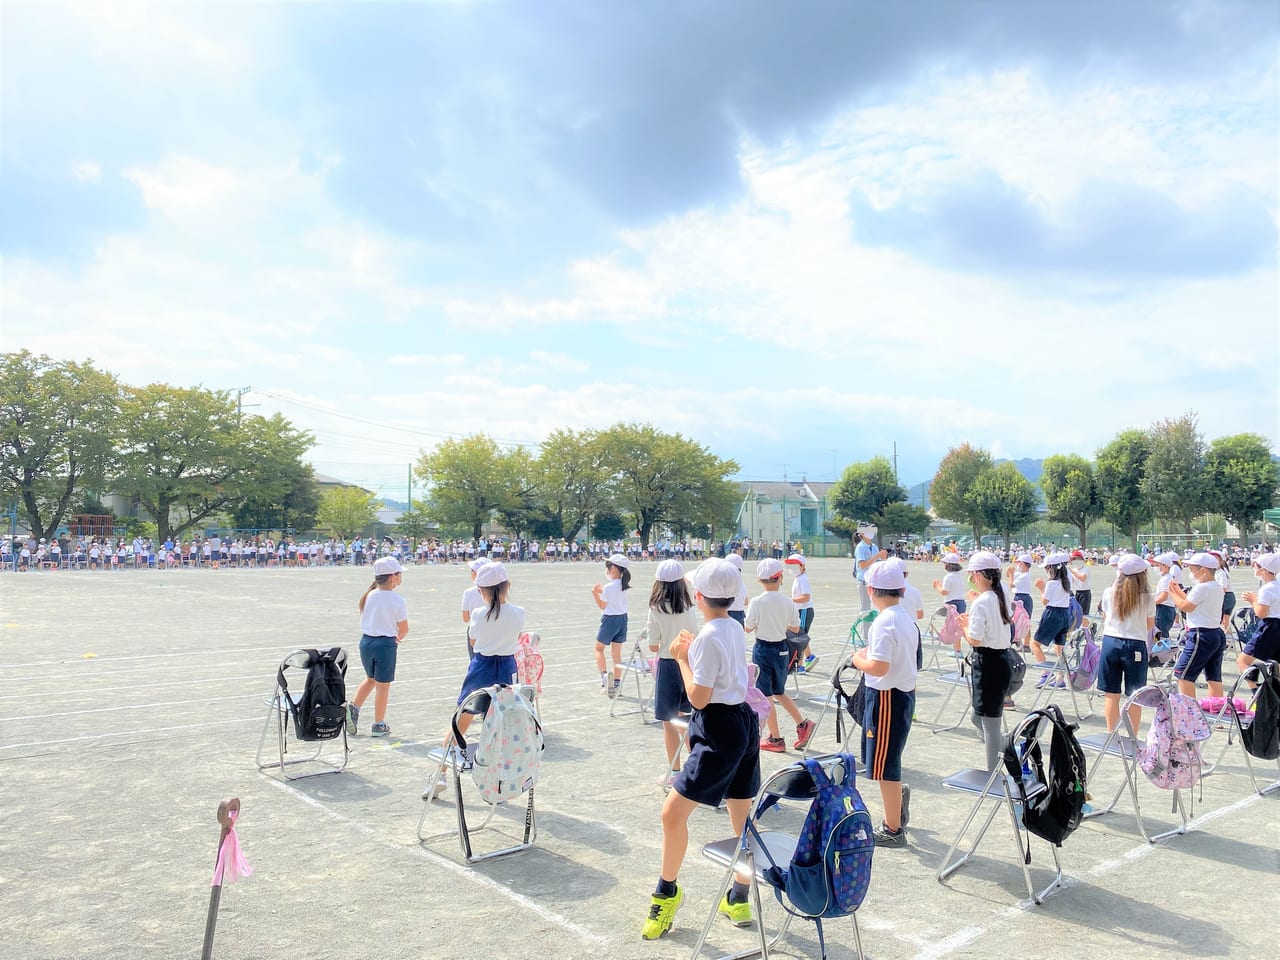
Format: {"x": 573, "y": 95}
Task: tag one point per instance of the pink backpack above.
{"x": 529, "y": 665}
{"x": 1021, "y": 623}
{"x": 1171, "y": 756}
{"x": 951, "y": 633}
{"x": 756, "y": 700}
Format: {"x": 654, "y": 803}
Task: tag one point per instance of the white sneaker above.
{"x": 434, "y": 790}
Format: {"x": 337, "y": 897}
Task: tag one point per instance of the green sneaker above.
{"x": 662, "y": 912}
{"x": 739, "y": 914}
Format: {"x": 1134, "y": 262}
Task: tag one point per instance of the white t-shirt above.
{"x": 663, "y": 628}
{"x": 1162, "y": 586}
{"x": 985, "y": 624}
{"x": 472, "y": 598}
{"x": 911, "y": 601}
{"x": 740, "y": 601}
{"x": 718, "y": 659}
{"x": 1022, "y": 582}
{"x": 1269, "y": 597}
{"x": 614, "y": 597}
{"x": 1055, "y": 596}
{"x": 383, "y": 611}
{"x": 1223, "y": 579}
{"x": 954, "y": 585}
{"x": 799, "y": 588}
{"x": 497, "y": 637}
{"x": 1079, "y": 578}
{"x": 1132, "y": 627}
{"x": 893, "y": 640}
{"x": 770, "y": 614}
{"x": 1208, "y": 600}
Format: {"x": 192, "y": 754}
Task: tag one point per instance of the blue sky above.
{"x": 798, "y": 234}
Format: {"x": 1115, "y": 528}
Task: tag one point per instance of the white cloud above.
{"x": 87, "y": 171}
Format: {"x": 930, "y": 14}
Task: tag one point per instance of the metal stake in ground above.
{"x": 228, "y": 810}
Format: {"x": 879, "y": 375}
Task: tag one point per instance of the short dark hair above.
{"x": 719, "y": 603}
{"x": 882, "y": 592}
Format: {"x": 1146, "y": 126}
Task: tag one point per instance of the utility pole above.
{"x": 240, "y": 392}
{"x": 410, "y": 506}
{"x": 895, "y": 461}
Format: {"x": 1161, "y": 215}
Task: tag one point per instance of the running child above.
{"x": 611, "y": 597}
{"x": 1206, "y": 640}
{"x": 802, "y": 597}
{"x": 1130, "y": 615}
{"x": 1055, "y": 594}
{"x": 888, "y": 665}
{"x": 1265, "y": 642}
{"x": 384, "y": 622}
{"x": 724, "y": 733}
{"x": 988, "y": 627}
{"x": 771, "y": 616}
{"x": 671, "y": 612}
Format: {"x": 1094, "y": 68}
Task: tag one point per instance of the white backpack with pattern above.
{"x": 1171, "y": 756}
{"x": 508, "y": 756}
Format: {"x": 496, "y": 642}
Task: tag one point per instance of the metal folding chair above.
{"x": 1063, "y": 667}
{"x": 637, "y": 668}
{"x": 995, "y": 786}
{"x": 1235, "y": 722}
{"x": 456, "y": 762}
{"x": 859, "y": 635}
{"x": 280, "y": 706}
{"x": 744, "y": 855}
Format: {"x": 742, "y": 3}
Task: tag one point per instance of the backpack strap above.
{"x": 814, "y": 768}
{"x": 1013, "y": 767}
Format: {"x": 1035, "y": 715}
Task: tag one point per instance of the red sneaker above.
{"x": 804, "y": 733}
{"x": 773, "y": 745}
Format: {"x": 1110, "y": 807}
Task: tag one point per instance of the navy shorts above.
{"x": 1026, "y": 601}
{"x": 806, "y": 619}
{"x": 1265, "y": 642}
{"x": 1202, "y": 651}
{"x": 886, "y": 721}
{"x": 739, "y": 615}
{"x": 1085, "y": 599}
{"x": 669, "y": 697}
{"x": 1124, "y": 659}
{"x": 724, "y": 755}
{"x": 771, "y": 659}
{"x": 960, "y": 605}
{"x": 1228, "y": 602}
{"x": 378, "y": 656}
{"x": 1165, "y": 615}
{"x": 485, "y": 671}
{"x": 1054, "y": 623}
{"x": 613, "y": 628}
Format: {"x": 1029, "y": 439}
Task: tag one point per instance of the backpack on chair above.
{"x": 1075, "y": 614}
{"x": 529, "y": 663}
{"x": 1086, "y": 671}
{"x": 321, "y": 712}
{"x": 1171, "y": 756}
{"x": 1054, "y": 814}
{"x": 1021, "y": 623}
{"x": 508, "y": 756}
{"x": 951, "y": 634}
{"x": 853, "y": 700}
{"x": 1262, "y": 737}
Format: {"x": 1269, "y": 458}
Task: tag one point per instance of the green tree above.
{"x": 471, "y": 479}
{"x": 346, "y": 511}
{"x": 865, "y": 489}
{"x": 607, "y": 526}
{"x": 949, "y": 492}
{"x": 293, "y": 507}
{"x": 520, "y": 506}
{"x": 1121, "y": 466}
{"x": 414, "y": 522}
{"x": 58, "y": 423}
{"x": 1241, "y": 478}
{"x": 664, "y": 477}
{"x": 1173, "y": 482}
{"x": 573, "y": 481}
{"x": 189, "y": 450}
{"x": 898, "y": 520}
{"x": 1004, "y": 499}
{"x": 1071, "y": 493}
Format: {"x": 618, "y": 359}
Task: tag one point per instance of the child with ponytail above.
{"x": 611, "y": 598}
{"x": 988, "y": 627}
{"x": 384, "y": 622}
{"x": 1055, "y": 594}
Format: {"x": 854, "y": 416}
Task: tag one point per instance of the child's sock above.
{"x": 665, "y": 888}
{"x": 738, "y": 892}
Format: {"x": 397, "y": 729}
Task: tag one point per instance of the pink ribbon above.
{"x": 231, "y": 865}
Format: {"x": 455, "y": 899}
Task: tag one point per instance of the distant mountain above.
{"x": 397, "y": 505}
{"x": 1031, "y": 469}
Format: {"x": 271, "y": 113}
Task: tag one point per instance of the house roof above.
{"x": 811, "y": 490}
{"x": 324, "y": 480}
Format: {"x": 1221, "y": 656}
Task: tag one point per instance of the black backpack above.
{"x": 855, "y": 701}
{"x": 1262, "y": 737}
{"x": 1052, "y": 814}
{"x": 321, "y": 712}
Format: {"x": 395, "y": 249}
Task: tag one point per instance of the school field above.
{"x": 133, "y": 703}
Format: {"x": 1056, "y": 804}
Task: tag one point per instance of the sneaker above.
{"x": 435, "y": 789}
{"x": 353, "y": 717}
{"x": 739, "y": 914}
{"x": 1059, "y": 684}
{"x": 890, "y": 838}
{"x": 804, "y": 733}
{"x": 380, "y": 730}
{"x": 1009, "y": 704}
{"x": 614, "y": 689}
{"x": 662, "y": 912}
{"x": 665, "y": 780}
{"x": 810, "y": 662}
{"x": 604, "y": 683}
{"x": 773, "y": 745}
{"x": 1045, "y": 679}
{"x": 906, "y": 805}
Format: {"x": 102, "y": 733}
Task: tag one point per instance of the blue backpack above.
{"x": 1075, "y": 614}
{"x": 830, "y": 870}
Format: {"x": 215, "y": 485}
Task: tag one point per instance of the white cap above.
{"x": 1054, "y": 559}
{"x": 796, "y": 558}
{"x": 1115, "y": 558}
{"x": 618, "y": 560}
{"x": 768, "y": 568}
{"x": 491, "y": 574}
{"x": 717, "y": 579}
{"x": 735, "y": 559}
{"x": 669, "y": 571}
{"x": 1131, "y": 564}
{"x": 984, "y": 560}
{"x": 951, "y": 558}
{"x": 475, "y": 565}
{"x": 1206, "y": 560}
{"x": 1268, "y": 561}
{"x": 385, "y": 565}
{"x": 1166, "y": 559}
{"x": 1026, "y": 558}
{"x": 884, "y": 575}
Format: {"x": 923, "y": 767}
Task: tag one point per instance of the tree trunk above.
{"x": 1084, "y": 534}
{"x": 163, "y": 529}
{"x": 475, "y": 529}
{"x": 1008, "y": 538}
{"x": 33, "y": 513}
{"x": 645, "y": 527}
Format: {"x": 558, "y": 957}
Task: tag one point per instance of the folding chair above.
{"x": 638, "y": 668}
{"x": 995, "y": 786}
{"x": 859, "y": 636}
{"x": 755, "y": 851}
{"x": 283, "y": 704}
{"x": 1125, "y": 746}
{"x": 476, "y": 704}
{"x": 953, "y": 680}
{"x": 1235, "y": 722}
{"x": 1062, "y": 668}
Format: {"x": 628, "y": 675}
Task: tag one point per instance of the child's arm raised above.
{"x": 595, "y": 594}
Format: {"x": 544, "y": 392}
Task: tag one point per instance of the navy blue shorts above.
{"x": 669, "y": 697}
{"x": 806, "y": 619}
{"x": 1228, "y": 602}
{"x": 771, "y": 660}
{"x": 739, "y": 615}
{"x": 724, "y": 755}
{"x": 613, "y": 628}
{"x": 1165, "y": 615}
{"x": 1026, "y": 601}
{"x": 886, "y": 722}
{"x": 1202, "y": 651}
{"x": 1054, "y": 623}
{"x": 960, "y": 605}
{"x": 1123, "y": 659}
{"x": 485, "y": 671}
{"x": 378, "y": 657}
{"x": 1265, "y": 642}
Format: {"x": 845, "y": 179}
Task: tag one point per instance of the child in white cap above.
{"x": 611, "y": 597}
{"x": 888, "y": 665}
{"x": 802, "y": 597}
{"x": 1130, "y": 615}
{"x": 671, "y": 612}
{"x": 1206, "y": 641}
{"x": 1019, "y": 576}
{"x": 1265, "y": 642}
{"x": 988, "y": 627}
{"x": 771, "y": 616}
{"x": 1166, "y": 612}
{"x": 952, "y": 586}
{"x": 1055, "y": 594}
{"x": 384, "y": 622}
{"x": 471, "y": 599}
{"x": 724, "y": 735}
{"x": 738, "y": 609}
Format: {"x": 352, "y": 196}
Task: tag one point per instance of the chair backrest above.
{"x": 1055, "y": 812}
{"x": 319, "y": 707}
